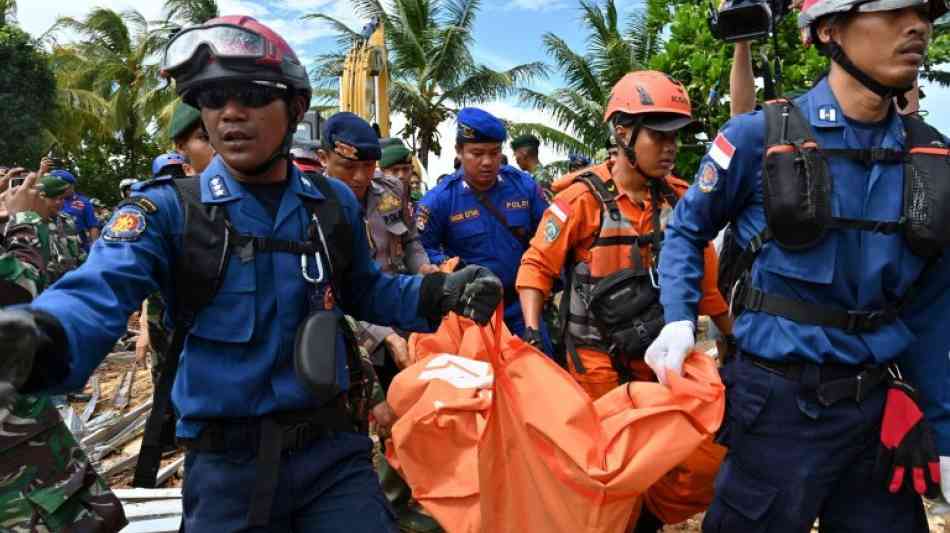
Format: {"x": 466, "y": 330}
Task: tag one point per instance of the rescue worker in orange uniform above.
{"x": 604, "y": 228}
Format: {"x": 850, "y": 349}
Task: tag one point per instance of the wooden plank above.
{"x": 120, "y": 466}
{"x": 118, "y": 426}
{"x": 167, "y": 472}
{"x": 160, "y": 525}
{"x": 122, "y": 395}
{"x": 131, "y": 432}
{"x": 91, "y": 406}
{"x": 146, "y": 494}
{"x": 135, "y": 512}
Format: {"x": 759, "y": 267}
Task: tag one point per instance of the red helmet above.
{"x": 662, "y": 99}
{"x": 232, "y": 48}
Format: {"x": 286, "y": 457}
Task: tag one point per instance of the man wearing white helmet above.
{"x": 840, "y": 207}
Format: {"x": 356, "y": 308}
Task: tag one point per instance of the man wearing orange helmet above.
{"x": 840, "y": 207}
{"x": 605, "y": 227}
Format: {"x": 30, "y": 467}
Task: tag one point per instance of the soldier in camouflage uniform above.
{"x": 395, "y": 247}
{"x": 525, "y": 148}
{"x": 61, "y": 243}
{"x": 46, "y": 480}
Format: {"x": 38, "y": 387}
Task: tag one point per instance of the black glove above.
{"x": 907, "y": 455}
{"x": 533, "y": 337}
{"x": 20, "y": 338}
{"x": 473, "y": 292}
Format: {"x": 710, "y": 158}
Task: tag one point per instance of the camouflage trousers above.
{"x": 46, "y": 480}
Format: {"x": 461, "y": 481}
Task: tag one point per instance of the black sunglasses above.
{"x": 254, "y": 94}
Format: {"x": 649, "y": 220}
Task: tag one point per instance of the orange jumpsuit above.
{"x": 565, "y": 236}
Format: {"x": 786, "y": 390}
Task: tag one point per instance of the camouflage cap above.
{"x": 184, "y": 117}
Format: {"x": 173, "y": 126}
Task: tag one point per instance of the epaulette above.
{"x": 142, "y": 185}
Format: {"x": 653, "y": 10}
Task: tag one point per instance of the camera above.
{"x": 746, "y": 20}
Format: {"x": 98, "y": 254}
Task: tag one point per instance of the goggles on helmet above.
{"x": 224, "y": 41}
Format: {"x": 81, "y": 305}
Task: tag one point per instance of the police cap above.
{"x": 350, "y": 137}
{"x": 479, "y": 126}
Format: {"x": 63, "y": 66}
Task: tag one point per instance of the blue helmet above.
{"x": 577, "y": 161}
{"x": 166, "y": 160}
{"x": 64, "y": 175}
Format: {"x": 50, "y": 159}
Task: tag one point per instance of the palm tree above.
{"x": 191, "y": 11}
{"x": 7, "y": 11}
{"x": 109, "y": 82}
{"x": 431, "y": 64}
{"x": 578, "y": 108}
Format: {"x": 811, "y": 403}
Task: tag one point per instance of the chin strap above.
{"x": 836, "y": 53}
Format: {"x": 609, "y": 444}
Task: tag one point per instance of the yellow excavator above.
{"x": 364, "y": 85}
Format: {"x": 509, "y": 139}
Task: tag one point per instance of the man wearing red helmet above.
{"x": 259, "y": 263}
{"x": 605, "y": 225}
{"x": 840, "y": 207}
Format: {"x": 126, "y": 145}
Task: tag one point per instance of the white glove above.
{"x": 942, "y": 506}
{"x": 670, "y": 348}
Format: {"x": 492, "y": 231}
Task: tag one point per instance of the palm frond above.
{"x": 576, "y": 69}
{"x": 346, "y": 37}
{"x": 555, "y": 138}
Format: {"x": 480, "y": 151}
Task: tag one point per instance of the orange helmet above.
{"x": 662, "y": 99}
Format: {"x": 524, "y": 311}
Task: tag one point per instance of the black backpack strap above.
{"x": 198, "y": 271}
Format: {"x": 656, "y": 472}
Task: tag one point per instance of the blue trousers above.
{"x": 791, "y": 461}
{"x": 328, "y": 487}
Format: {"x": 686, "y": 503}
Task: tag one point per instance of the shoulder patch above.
{"x": 551, "y": 230}
{"x": 388, "y": 203}
{"x": 708, "y": 177}
{"x": 127, "y": 225}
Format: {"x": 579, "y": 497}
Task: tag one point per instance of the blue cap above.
{"x": 64, "y": 175}
{"x": 351, "y": 137}
{"x": 479, "y": 126}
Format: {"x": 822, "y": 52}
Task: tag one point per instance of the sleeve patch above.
{"x": 552, "y": 230}
{"x": 128, "y": 225}
{"x": 722, "y": 151}
{"x": 708, "y": 177}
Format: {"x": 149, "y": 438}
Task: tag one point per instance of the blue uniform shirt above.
{"x": 238, "y": 358}
{"x": 850, "y": 269}
{"x": 452, "y": 222}
{"x": 81, "y": 209}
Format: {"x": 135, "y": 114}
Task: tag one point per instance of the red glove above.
{"x": 907, "y": 444}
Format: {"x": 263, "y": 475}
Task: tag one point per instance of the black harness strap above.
{"x": 199, "y": 270}
{"x": 520, "y": 234}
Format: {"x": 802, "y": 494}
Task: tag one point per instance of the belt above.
{"x": 269, "y": 436}
{"x": 836, "y": 382}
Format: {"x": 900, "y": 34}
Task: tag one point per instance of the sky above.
{"x": 506, "y": 33}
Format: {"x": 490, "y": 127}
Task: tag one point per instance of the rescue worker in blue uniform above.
{"x": 485, "y": 213}
{"x": 827, "y": 281}
{"x": 80, "y": 207}
{"x": 261, "y": 393}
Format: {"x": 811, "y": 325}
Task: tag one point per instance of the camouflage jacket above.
{"x": 21, "y": 262}
{"x": 62, "y": 246}
{"x": 545, "y": 176}
{"x": 46, "y": 480}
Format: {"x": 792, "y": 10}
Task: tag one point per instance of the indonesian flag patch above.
{"x": 722, "y": 151}
{"x": 560, "y": 209}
